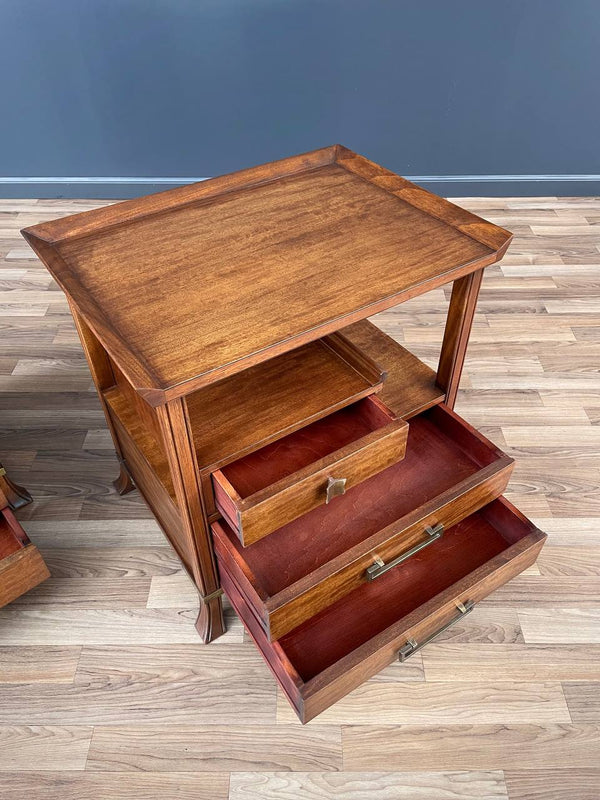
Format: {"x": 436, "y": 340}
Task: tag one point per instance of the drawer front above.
{"x": 318, "y": 483}
{"x": 20, "y": 572}
{"x": 424, "y": 626}
{"x": 21, "y": 565}
{"x": 311, "y": 694}
{"x": 434, "y": 616}
{"x": 300, "y": 601}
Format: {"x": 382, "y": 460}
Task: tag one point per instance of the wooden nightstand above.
{"x": 296, "y": 457}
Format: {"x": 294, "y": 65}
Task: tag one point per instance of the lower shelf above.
{"x": 263, "y": 404}
{"x": 147, "y": 465}
{"x": 124, "y": 414}
{"x": 270, "y": 400}
{"x": 410, "y": 386}
{"x": 334, "y": 652}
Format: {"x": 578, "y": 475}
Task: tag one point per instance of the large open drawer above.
{"x": 329, "y": 655}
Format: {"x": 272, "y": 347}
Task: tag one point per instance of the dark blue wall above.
{"x": 191, "y": 88}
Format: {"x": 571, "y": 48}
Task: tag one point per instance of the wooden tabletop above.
{"x": 188, "y": 286}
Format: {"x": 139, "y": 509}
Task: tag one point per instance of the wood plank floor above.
{"x": 106, "y": 691}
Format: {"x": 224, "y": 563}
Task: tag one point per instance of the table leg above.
{"x": 181, "y": 455}
{"x": 103, "y": 378}
{"x": 465, "y": 291}
{"x": 123, "y": 483}
{"x": 16, "y": 495}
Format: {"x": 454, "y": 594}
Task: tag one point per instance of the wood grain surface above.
{"x": 104, "y": 695}
{"x": 448, "y": 472}
{"x": 289, "y": 478}
{"x": 235, "y": 270}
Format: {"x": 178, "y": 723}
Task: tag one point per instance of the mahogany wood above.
{"x": 456, "y": 334}
{"x": 282, "y": 245}
{"x": 277, "y": 484}
{"x": 356, "y": 358}
{"x": 179, "y": 447}
{"x": 103, "y": 377}
{"x": 410, "y": 385}
{"x": 333, "y": 652}
{"x": 264, "y": 403}
{"x": 123, "y": 483}
{"x": 126, "y": 413}
{"x": 449, "y": 471}
{"x": 148, "y": 421}
{"x": 210, "y": 316}
{"x": 17, "y": 496}
{"x": 20, "y": 572}
{"x": 21, "y": 565}
{"x": 12, "y": 535}
{"x": 151, "y": 482}
{"x": 288, "y": 455}
{"x": 143, "y": 439}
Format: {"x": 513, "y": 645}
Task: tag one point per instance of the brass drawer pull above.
{"x": 335, "y": 487}
{"x": 412, "y": 646}
{"x": 380, "y": 567}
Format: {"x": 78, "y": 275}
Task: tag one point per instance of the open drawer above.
{"x": 313, "y": 466}
{"x": 448, "y": 472}
{"x": 329, "y": 655}
{"x": 21, "y": 565}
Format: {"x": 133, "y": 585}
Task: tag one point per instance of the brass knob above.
{"x": 335, "y": 486}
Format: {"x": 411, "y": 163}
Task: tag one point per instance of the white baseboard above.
{"x": 449, "y": 185}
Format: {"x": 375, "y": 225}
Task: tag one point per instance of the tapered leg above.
{"x": 210, "y": 623}
{"x": 181, "y": 455}
{"x": 103, "y": 378}
{"x": 123, "y": 484}
{"x": 180, "y": 452}
{"x": 456, "y": 334}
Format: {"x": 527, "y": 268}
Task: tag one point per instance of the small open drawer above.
{"x": 329, "y": 655}
{"x": 313, "y": 466}
{"x": 448, "y": 472}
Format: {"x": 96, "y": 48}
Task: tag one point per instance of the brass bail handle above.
{"x": 335, "y": 487}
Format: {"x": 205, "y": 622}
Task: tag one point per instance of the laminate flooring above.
{"x": 106, "y": 691}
